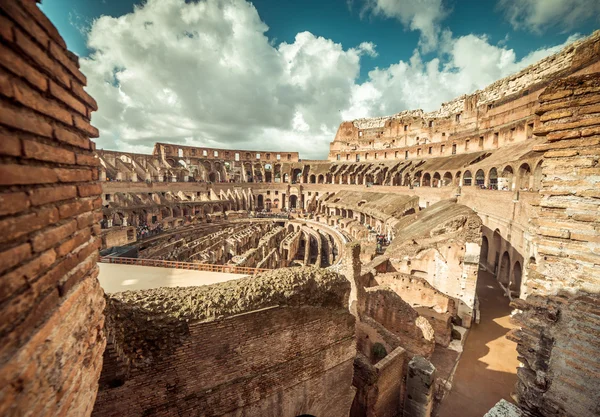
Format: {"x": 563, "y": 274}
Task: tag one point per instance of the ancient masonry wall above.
{"x": 51, "y": 303}
{"x": 560, "y": 320}
{"x": 277, "y": 344}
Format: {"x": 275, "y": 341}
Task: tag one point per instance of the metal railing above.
{"x": 227, "y": 269}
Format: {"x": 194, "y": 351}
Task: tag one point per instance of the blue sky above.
{"x": 321, "y": 53}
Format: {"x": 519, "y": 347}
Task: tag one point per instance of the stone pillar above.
{"x": 420, "y": 381}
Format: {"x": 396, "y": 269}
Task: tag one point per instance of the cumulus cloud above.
{"x": 539, "y": 15}
{"x": 422, "y": 15}
{"x": 473, "y": 63}
{"x": 204, "y": 74}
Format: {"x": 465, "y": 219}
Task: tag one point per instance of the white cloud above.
{"x": 422, "y": 15}
{"x": 473, "y": 63}
{"x": 205, "y": 74}
{"x": 539, "y": 15}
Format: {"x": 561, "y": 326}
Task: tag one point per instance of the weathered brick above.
{"x": 85, "y": 126}
{"x": 89, "y": 160}
{"x": 12, "y": 174}
{"x": 556, "y": 115}
{"x": 23, "y": 19}
{"x": 43, "y": 152}
{"x": 50, "y": 237}
{"x": 77, "y": 240}
{"x": 17, "y": 65}
{"x": 23, "y": 119}
{"x": 35, "y": 101}
{"x": 44, "y": 22}
{"x": 88, "y": 190}
{"x": 6, "y": 29}
{"x": 25, "y": 274}
{"x": 84, "y": 96}
{"x": 555, "y": 95}
{"x": 40, "y": 56}
{"x": 11, "y": 203}
{"x": 14, "y": 227}
{"x": 14, "y": 256}
{"x": 66, "y": 97}
{"x": 74, "y": 208}
{"x": 10, "y": 145}
{"x": 52, "y": 194}
{"x": 71, "y": 138}
{"x": 6, "y": 85}
{"x": 59, "y": 54}
{"x": 73, "y": 175}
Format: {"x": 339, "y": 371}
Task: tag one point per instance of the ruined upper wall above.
{"x": 51, "y": 338}
{"x": 173, "y": 150}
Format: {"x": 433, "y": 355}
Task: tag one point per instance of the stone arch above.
{"x": 447, "y": 179}
{"x": 485, "y": 246}
{"x": 523, "y": 177}
{"x": 426, "y": 180}
{"x": 504, "y": 270}
{"x": 515, "y": 282}
{"x": 480, "y": 178}
{"x": 508, "y": 174}
{"x": 293, "y": 201}
{"x": 212, "y": 177}
{"x": 537, "y": 176}
{"x": 437, "y": 180}
{"x": 320, "y": 179}
{"x": 259, "y": 201}
{"x": 493, "y": 179}
{"x": 467, "y": 178}
{"x": 496, "y": 246}
{"x": 312, "y": 179}
{"x": 457, "y": 178}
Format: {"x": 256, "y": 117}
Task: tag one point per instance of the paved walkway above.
{"x": 116, "y": 278}
{"x": 488, "y": 366}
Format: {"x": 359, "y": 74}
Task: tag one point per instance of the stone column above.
{"x": 419, "y": 388}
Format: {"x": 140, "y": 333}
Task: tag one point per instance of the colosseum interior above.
{"x": 430, "y": 255}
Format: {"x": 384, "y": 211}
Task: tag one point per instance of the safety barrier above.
{"x": 227, "y": 269}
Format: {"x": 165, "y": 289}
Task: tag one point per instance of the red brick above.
{"x": 86, "y": 264}
{"x": 60, "y": 54}
{"x": 24, "y": 20}
{"x": 23, "y": 119}
{"x": 6, "y": 85}
{"x": 85, "y": 126}
{"x": 89, "y": 160}
{"x": 77, "y": 240}
{"x": 46, "y": 195}
{"x": 50, "y": 237}
{"x": 34, "y": 100}
{"x": 9, "y": 145}
{"x": 74, "y": 208}
{"x": 14, "y": 227}
{"x": 17, "y": 65}
{"x": 66, "y": 97}
{"x": 83, "y": 95}
{"x": 88, "y": 190}
{"x": 11, "y": 203}
{"x": 43, "y": 152}
{"x": 73, "y": 175}
{"x": 14, "y": 256}
{"x": 87, "y": 219}
{"x": 44, "y": 22}
{"x": 6, "y": 29}
{"x": 41, "y": 58}
{"x": 13, "y": 174}
{"x": 75, "y": 139}
{"x": 27, "y": 273}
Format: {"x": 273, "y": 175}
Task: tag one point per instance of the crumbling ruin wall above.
{"x": 51, "y": 303}
{"x": 560, "y": 320}
{"x": 276, "y": 344}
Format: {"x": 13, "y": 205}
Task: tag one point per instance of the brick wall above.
{"x": 51, "y": 338}
{"x": 559, "y": 335}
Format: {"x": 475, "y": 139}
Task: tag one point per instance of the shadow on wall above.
{"x": 489, "y": 360}
{"x": 502, "y": 260}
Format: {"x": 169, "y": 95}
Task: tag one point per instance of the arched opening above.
{"x": 497, "y": 242}
{"x": 259, "y": 202}
{"x": 467, "y": 178}
{"x": 447, "y": 180}
{"x": 426, "y": 181}
{"x": 268, "y": 204}
{"x": 293, "y": 201}
{"x": 296, "y": 175}
{"x": 537, "y": 177}
{"x": 504, "y": 272}
{"x": 286, "y": 178}
{"x": 212, "y": 177}
{"x": 506, "y": 181}
{"x": 483, "y": 255}
{"x": 313, "y": 179}
{"x": 480, "y": 178}
{"x": 437, "y": 179}
{"x": 493, "y": 179}
{"x": 515, "y": 283}
{"x": 523, "y": 177}
{"x": 457, "y": 178}
{"x": 321, "y": 179}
